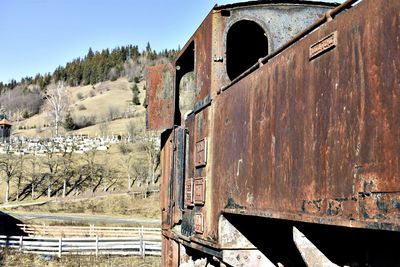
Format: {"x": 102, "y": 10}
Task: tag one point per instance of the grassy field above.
{"x": 17, "y": 259}
{"x": 86, "y": 101}
{"x": 117, "y": 164}
{"x": 95, "y": 101}
{"x": 121, "y": 205}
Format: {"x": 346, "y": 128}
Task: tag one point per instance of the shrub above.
{"x": 92, "y": 93}
{"x": 135, "y": 92}
{"x": 69, "y": 123}
{"x": 25, "y": 114}
{"x": 82, "y": 107}
{"x": 135, "y": 100}
{"x": 84, "y": 121}
{"x": 136, "y": 79}
{"x": 113, "y": 113}
{"x": 79, "y": 96}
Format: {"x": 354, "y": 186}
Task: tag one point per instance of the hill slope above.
{"x": 109, "y": 102}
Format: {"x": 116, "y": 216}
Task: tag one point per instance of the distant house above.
{"x": 5, "y": 129}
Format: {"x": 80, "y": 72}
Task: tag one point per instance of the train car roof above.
{"x": 260, "y": 2}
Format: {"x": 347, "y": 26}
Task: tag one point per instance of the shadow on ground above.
{"x": 8, "y": 225}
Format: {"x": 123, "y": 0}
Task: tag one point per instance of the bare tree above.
{"x": 52, "y": 163}
{"x": 92, "y": 169}
{"x": 139, "y": 172}
{"x": 149, "y": 144}
{"x": 113, "y": 113}
{"x": 109, "y": 175}
{"x": 131, "y": 69}
{"x": 103, "y": 127}
{"x": 127, "y": 157}
{"x": 57, "y": 101}
{"x": 9, "y": 166}
{"x": 21, "y": 100}
{"x": 20, "y": 169}
{"x": 67, "y": 167}
{"x": 34, "y": 175}
{"x": 131, "y": 129}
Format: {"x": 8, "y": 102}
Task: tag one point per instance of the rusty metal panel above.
{"x": 171, "y": 251}
{"x": 201, "y": 153}
{"x": 199, "y": 188}
{"x": 203, "y": 41}
{"x": 160, "y": 96}
{"x": 323, "y": 45}
{"x": 189, "y": 191}
{"x": 312, "y": 140}
{"x": 199, "y": 222}
{"x": 166, "y": 164}
{"x": 201, "y": 125}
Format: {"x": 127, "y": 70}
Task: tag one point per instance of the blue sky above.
{"x": 36, "y": 36}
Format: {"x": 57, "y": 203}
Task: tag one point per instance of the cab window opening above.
{"x": 185, "y": 83}
{"x": 246, "y": 43}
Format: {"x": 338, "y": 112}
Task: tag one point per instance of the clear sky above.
{"x": 36, "y": 36}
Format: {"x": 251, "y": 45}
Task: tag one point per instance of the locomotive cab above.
{"x": 251, "y": 142}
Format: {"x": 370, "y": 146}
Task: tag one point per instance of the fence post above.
{"x": 21, "y": 240}
{"x": 60, "y": 247}
{"x": 97, "y": 245}
{"x": 141, "y": 242}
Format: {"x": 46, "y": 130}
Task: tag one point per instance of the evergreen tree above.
{"x": 69, "y": 123}
{"x": 135, "y": 92}
{"x": 90, "y": 54}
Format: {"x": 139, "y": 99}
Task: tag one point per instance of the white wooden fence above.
{"x": 82, "y": 245}
{"x": 149, "y": 233}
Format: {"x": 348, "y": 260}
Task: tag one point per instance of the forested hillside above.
{"x": 23, "y": 99}
{"x": 96, "y": 67}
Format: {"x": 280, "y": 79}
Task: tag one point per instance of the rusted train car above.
{"x": 290, "y": 153}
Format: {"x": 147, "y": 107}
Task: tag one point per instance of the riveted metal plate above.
{"x": 189, "y": 191}
{"x": 323, "y": 45}
{"x": 199, "y": 223}
{"x": 199, "y": 190}
{"x": 201, "y": 153}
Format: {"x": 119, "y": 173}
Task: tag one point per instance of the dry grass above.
{"x": 97, "y": 100}
{"x": 116, "y": 127}
{"x": 102, "y": 157}
{"x": 17, "y": 259}
{"x": 118, "y": 205}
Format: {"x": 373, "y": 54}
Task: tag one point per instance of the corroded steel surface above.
{"x": 166, "y": 163}
{"x": 317, "y": 139}
{"x": 203, "y": 59}
{"x": 160, "y": 96}
{"x": 311, "y": 135}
